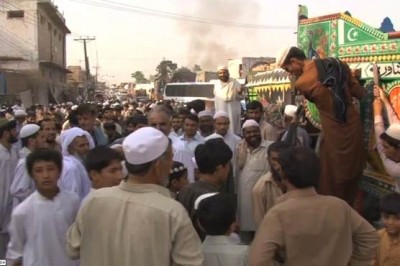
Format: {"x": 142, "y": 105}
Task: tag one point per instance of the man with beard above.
{"x": 75, "y": 144}
{"x": 8, "y": 162}
{"x": 330, "y": 85}
{"x": 251, "y": 165}
{"x": 206, "y": 125}
{"x": 254, "y": 110}
{"x": 221, "y": 125}
{"x": 227, "y": 96}
{"x": 23, "y": 186}
{"x": 48, "y": 127}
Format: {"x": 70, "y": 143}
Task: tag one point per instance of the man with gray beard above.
{"x": 227, "y": 96}
{"x": 75, "y": 144}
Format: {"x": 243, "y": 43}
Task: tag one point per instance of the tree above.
{"x": 139, "y": 77}
{"x": 196, "y": 68}
{"x": 165, "y": 70}
{"x": 183, "y": 74}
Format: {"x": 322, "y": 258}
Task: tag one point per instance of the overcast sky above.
{"x": 130, "y": 40}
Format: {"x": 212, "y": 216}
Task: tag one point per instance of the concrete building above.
{"x": 206, "y": 76}
{"x": 239, "y": 68}
{"x": 32, "y": 50}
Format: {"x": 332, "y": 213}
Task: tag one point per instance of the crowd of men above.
{"x": 159, "y": 184}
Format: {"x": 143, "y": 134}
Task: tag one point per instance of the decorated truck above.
{"x": 361, "y": 46}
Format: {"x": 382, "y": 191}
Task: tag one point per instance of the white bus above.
{"x": 189, "y": 91}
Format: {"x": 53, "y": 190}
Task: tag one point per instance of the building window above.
{"x": 15, "y": 14}
{"x": 55, "y": 32}
{"x": 43, "y": 72}
{"x": 42, "y": 19}
{"x": 49, "y": 26}
{"x": 60, "y": 37}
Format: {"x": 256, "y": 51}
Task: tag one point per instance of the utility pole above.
{"x": 89, "y": 86}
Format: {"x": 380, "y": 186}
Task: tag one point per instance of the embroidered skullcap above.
{"x": 144, "y": 145}
{"x": 28, "y": 130}
{"x": 290, "y": 110}
{"x": 202, "y": 197}
{"x": 222, "y": 67}
{"x": 74, "y": 107}
{"x": 221, "y": 114}
{"x": 281, "y": 56}
{"x": 205, "y": 113}
{"x": 250, "y": 123}
{"x": 393, "y": 131}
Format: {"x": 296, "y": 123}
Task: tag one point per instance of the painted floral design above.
{"x": 341, "y": 50}
{"x": 365, "y": 48}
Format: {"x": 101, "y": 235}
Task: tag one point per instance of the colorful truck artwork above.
{"x": 361, "y": 46}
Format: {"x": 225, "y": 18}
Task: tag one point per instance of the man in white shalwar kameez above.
{"x": 221, "y": 126}
{"x": 75, "y": 143}
{"x": 39, "y": 224}
{"x": 251, "y": 165}
{"x": 8, "y": 162}
{"x": 22, "y": 186}
{"x": 227, "y": 96}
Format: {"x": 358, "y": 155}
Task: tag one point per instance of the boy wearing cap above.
{"x": 387, "y": 142}
{"x": 8, "y": 162}
{"x": 32, "y": 138}
{"x": 140, "y": 224}
{"x": 216, "y": 215}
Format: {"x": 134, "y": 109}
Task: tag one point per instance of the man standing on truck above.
{"x": 330, "y": 85}
{"x": 228, "y": 93}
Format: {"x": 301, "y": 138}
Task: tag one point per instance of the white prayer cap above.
{"x": 393, "y": 131}
{"x": 28, "y": 130}
{"x": 20, "y": 113}
{"x": 250, "y": 123}
{"x": 221, "y": 114}
{"x": 290, "y": 110}
{"x": 116, "y": 146}
{"x": 70, "y": 103}
{"x": 281, "y": 56}
{"x": 144, "y": 145}
{"x": 222, "y": 67}
{"x": 74, "y": 107}
{"x": 68, "y": 136}
{"x": 205, "y": 113}
{"x": 214, "y": 136}
{"x": 202, "y": 197}
{"x": 193, "y": 112}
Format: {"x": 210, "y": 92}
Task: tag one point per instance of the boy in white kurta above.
{"x": 39, "y": 224}
{"x": 217, "y": 217}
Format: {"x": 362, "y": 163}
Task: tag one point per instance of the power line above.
{"x": 167, "y": 15}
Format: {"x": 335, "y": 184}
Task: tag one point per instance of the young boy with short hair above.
{"x": 39, "y": 224}
{"x": 389, "y": 244}
{"x": 216, "y": 216}
{"x": 104, "y": 167}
